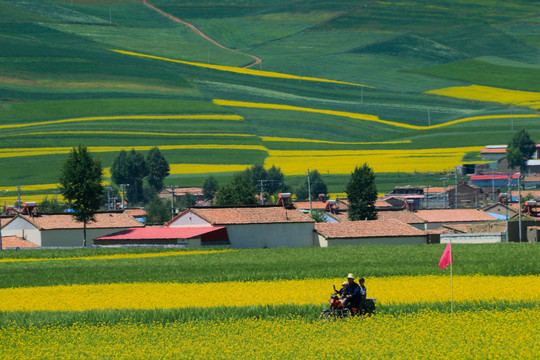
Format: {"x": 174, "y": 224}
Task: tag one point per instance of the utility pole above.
{"x": 444, "y": 191}
{"x": 309, "y": 191}
{"x": 261, "y": 186}
{"x": 19, "y": 197}
{"x": 426, "y": 195}
{"x": 123, "y": 186}
{"x": 456, "y": 193}
{"x": 509, "y": 198}
{"x": 1, "y": 223}
{"x": 172, "y": 187}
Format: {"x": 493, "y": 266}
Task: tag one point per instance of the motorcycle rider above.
{"x": 352, "y": 294}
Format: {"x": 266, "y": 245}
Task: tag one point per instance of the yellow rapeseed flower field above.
{"x": 366, "y": 117}
{"x": 128, "y": 117}
{"x": 344, "y": 161}
{"x": 240, "y": 70}
{"x": 510, "y": 334}
{"x": 118, "y": 256}
{"x": 486, "y": 93}
{"x": 388, "y": 290}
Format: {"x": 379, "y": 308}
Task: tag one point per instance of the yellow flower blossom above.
{"x": 239, "y": 70}
{"x": 387, "y": 290}
{"x": 486, "y": 93}
{"x": 128, "y": 117}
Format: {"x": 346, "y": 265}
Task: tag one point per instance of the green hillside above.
{"x": 62, "y": 83}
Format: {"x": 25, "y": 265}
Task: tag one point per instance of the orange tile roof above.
{"x": 366, "y": 229}
{"x": 305, "y": 205}
{"x": 493, "y": 150}
{"x": 15, "y": 242}
{"x": 379, "y": 203}
{"x": 438, "y": 189}
{"x": 67, "y": 221}
{"x": 452, "y": 215}
{"x": 404, "y": 216}
{"x": 136, "y": 212}
{"x": 251, "y": 215}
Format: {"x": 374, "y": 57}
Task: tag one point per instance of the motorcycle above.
{"x": 338, "y": 311}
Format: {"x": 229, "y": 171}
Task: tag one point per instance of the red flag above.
{"x": 446, "y": 258}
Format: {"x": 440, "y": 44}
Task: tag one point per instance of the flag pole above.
{"x": 451, "y": 290}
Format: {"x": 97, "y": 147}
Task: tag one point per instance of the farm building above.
{"x": 61, "y": 230}
{"x": 253, "y": 227}
{"x": 378, "y": 232}
{"x": 434, "y": 219}
{"x": 189, "y": 237}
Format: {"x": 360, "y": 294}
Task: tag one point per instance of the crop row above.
{"x": 389, "y": 290}
{"x": 431, "y": 334}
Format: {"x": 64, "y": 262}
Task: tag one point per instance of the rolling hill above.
{"x": 408, "y": 86}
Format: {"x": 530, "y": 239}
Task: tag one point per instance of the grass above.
{"x": 252, "y": 265}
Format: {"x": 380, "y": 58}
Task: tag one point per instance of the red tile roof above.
{"x": 136, "y": 212}
{"x": 501, "y": 150}
{"x": 149, "y": 233}
{"x": 250, "y": 215}
{"x": 366, "y": 229}
{"x": 15, "y": 242}
{"x": 453, "y": 215}
{"x": 67, "y": 221}
{"x": 404, "y": 216}
{"x": 379, "y": 203}
{"x": 438, "y": 190}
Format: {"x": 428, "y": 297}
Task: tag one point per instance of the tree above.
{"x": 316, "y": 184}
{"x": 238, "y": 191}
{"x": 362, "y": 194}
{"x": 80, "y": 184}
{"x": 277, "y": 182}
{"x": 51, "y": 206}
{"x": 158, "y": 211}
{"x": 210, "y": 187}
{"x": 130, "y": 168}
{"x": 520, "y": 149}
{"x": 187, "y": 201}
{"x": 158, "y": 168}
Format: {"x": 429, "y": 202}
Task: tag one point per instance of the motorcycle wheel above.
{"x": 346, "y": 313}
{"x": 327, "y": 315}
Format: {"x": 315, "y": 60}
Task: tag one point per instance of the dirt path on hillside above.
{"x": 256, "y": 59}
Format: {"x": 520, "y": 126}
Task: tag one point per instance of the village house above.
{"x": 434, "y": 219}
{"x": 374, "y": 232}
{"x": 188, "y": 237}
{"x": 61, "y": 230}
{"x": 253, "y": 227}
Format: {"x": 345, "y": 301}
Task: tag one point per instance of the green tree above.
{"x": 80, "y": 184}
{"x": 158, "y": 168}
{"x": 316, "y": 184}
{"x": 277, "y": 181}
{"x": 362, "y": 194}
{"x": 210, "y": 187}
{"x": 51, "y": 206}
{"x": 158, "y": 211}
{"x": 238, "y": 191}
{"x": 130, "y": 168}
{"x": 520, "y": 149}
{"x": 187, "y": 201}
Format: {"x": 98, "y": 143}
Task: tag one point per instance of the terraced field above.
{"x": 408, "y": 86}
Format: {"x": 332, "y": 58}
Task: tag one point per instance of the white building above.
{"x": 61, "y": 230}
{"x": 253, "y": 227}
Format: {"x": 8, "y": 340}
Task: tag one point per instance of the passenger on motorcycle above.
{"x": 352, "y": 294}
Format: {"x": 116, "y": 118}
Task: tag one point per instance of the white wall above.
{"x": 405, "y": 240}
{"x": 189, "y": 219}
{"x": 253, "y": 236}
{"x": 23, "y": 229}
{"x": 73, "y": 237}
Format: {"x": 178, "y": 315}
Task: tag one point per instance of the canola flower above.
{"x": 117, "y": 256}
{"x": 128, "y": 117}
{"x": 366, "y": 117}
{"x": 388, "y": 290}
{"x": 132, "y": 133}
{"x": 20, "y": 152}
{"x": 343, "y": 161}
{"x": 486, "y": 93}
{"x": 297, "y": 140}
{"x": 239, "y": 70}
{"x": 510, "y": 334}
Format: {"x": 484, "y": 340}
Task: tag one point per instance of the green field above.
{"x": 56, "y": 64}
